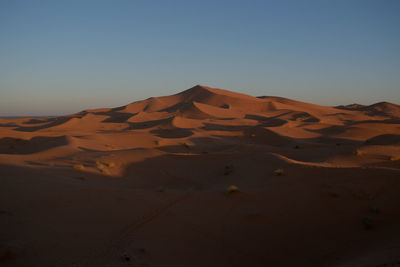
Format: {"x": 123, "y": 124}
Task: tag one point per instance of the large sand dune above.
{"x": 146, "y": 184}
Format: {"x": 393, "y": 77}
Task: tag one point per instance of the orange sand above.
{"x": 149, "y": 184}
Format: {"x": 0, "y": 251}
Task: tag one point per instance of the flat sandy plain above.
{"x": 149, "y": 184}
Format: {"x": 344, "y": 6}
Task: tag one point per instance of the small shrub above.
{"x": 228, "y": 169}
{"x": 279, "y": 172}
{"x": 232, "y": 189}
{"x": 358, "y": 152}
{"x": 126, "y": 257}
{"x": 104, "y": 165}
{"x": 79, "y": 167}
{"x": 100, "y": 165}
{"x": 110, "y": 164}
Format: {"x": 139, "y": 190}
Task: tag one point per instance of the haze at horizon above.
{"x": 60, "y": 57}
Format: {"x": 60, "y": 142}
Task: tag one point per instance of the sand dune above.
{"x": 146, "y": 184}
{"x": 379, "y": 109}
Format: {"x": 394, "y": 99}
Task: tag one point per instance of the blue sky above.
{"x": 59, "y": 57}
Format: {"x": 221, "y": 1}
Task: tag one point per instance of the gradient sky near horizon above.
{"x": 60, "y": 57}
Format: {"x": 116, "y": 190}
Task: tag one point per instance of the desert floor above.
{"x": 150, "y": 184}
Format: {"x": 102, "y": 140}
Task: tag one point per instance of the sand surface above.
{"x": 147, "y": 184}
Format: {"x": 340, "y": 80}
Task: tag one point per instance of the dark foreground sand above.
{"x": 147, "y": 184}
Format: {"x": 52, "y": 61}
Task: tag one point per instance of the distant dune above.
{"x": 381, "y": 108}
{"x": 205, "y": 177}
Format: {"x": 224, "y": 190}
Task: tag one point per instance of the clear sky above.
{"x": 59, "y": 57}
